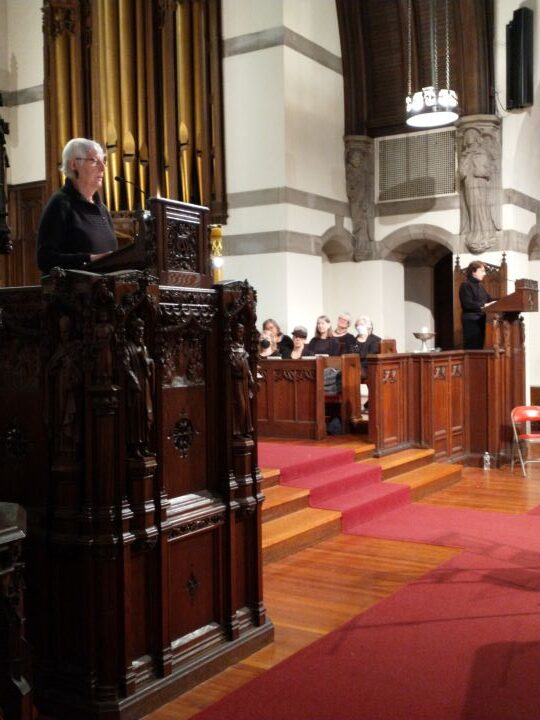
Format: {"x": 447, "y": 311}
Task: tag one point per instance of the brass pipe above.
{"x": 141, "y": 138}
{"x": 111, "y": 61}
{"x": 184, "y": 91}
{"x": 126, "y": 93}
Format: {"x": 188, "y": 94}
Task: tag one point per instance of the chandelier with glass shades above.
{"x": 432, "y": 106}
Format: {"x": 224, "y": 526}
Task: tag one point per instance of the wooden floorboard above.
{"x": 317, "y": 589}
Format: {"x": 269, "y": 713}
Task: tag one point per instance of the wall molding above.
{"x": 282, "y": 36}
{"x": 290, "y": 196}
{"x": 23, "y": 96}
{"x": 275, "y": 241}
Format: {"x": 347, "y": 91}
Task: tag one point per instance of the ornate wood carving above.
{"x": 124, "y": 448}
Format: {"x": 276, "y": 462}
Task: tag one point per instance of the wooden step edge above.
{"x": 288, "y": 546}
{"x": 442, "y": 477}
{"x": 404, "y": 461}
{"x": 280, "y": 500}
{"x": 270, "y": 477}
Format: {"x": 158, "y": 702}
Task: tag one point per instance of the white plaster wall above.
{"x": 21, "y": 66}
{"x": 25, "y": 44}
{"x": 374, "y": 288}
{"x": 240, "y": 17}
{"x": 265, "y": 218}
{"x": 447, "y": 219}
{"x": 313, "y": 127}
{"x": 315, "y": 20}
{"x": 517, "y": 218}
{"x": 288, "y": 285}
{"x": 254, "y": 120}
{"x": 521, "y": 150}
{"x": 418, "y": 304}
{"x": 3, "y": 46}
{"x": 26, "y": 143}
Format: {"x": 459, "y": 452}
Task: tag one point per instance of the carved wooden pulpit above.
{"x": 128, "y": 432}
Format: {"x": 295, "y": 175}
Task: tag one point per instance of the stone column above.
{"x": 479, "y": 171}
{"x": 359, "y": 169}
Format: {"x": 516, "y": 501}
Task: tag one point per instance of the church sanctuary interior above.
{"x": 202, "y": 519}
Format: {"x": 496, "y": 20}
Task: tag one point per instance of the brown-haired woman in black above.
{"x": 474, "y": 299}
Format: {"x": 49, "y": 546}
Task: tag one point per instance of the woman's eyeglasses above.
{"x": 94, "y": 162}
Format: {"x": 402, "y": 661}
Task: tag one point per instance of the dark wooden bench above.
{"x": 291, "y": 400}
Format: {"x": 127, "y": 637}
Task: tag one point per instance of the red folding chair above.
{"x": 522, "y": 416}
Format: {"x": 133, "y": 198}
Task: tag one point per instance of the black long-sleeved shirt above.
{"x": 71, "y": 229}
{"x": 473, "y": 296}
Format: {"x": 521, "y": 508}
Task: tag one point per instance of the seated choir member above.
{"x": 324, "y": 342}
{"x": 76, "y": 227}
{"x": 366, "y": 343}
{"x": 300, "y": 349}
{"x": 342, "y": 334}
{"x": 268, "y": 345}
{"x": 284, "y": 342}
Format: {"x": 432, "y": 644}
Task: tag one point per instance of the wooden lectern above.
{"x": 128, "y": 433}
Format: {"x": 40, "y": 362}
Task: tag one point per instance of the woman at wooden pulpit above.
{"x": 474, "y": 299}
{"x": 75, "y": 227}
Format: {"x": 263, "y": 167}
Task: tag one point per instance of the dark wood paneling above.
{"x": 26, "y": 202}
{"x": 374, "y": 44}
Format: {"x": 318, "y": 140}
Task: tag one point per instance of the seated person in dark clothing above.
{"x": 324, "y": 342}
{"x": 474, "y": 299}
{"x": 76, "y": 227}
{"x": 300, "y": 349}
{"x": 268, "y": 346}
{"x": 366, "y": 343}
{"x": 284, "y": 342}
{"x": 342, "y": 334}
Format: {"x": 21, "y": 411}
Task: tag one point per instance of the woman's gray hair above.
{"x": 364, "y": 320}
{"x": 78, "y": 148}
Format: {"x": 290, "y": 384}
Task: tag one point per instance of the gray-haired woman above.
{"x": 76, "y": 227}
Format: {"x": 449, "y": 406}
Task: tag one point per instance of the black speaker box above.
{"x": 519, "y": 59}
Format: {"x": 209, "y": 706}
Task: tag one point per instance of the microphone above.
{"x": 121, "y": 179}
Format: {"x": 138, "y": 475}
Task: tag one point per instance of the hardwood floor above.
{"x": 317, "y": 589}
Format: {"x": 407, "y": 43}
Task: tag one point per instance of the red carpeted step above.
{"x": 364, "y": 503}
{"x": 294, "y": 461}
{"x": 323, "y": 485}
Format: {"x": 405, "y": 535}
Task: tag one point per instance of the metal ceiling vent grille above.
{"x": 417, "y": 165}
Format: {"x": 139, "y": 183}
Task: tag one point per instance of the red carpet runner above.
{"x": 461, "y": 643}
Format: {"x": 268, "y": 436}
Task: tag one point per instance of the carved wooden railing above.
{"x": 15, "y": 689}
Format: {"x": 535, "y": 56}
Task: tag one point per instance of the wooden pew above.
{"x": 291, "y": 400}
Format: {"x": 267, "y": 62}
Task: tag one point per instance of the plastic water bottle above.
{"x": 486, "y": 461}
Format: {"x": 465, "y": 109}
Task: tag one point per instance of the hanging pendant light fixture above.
{"x": 432, "y": 106}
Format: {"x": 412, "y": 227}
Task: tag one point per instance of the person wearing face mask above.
{"x": 366, "y": 343}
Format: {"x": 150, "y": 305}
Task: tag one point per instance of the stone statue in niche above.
{"x": 103, "y": 335}
{"x": 242, "y": 385}
{"x": 479, "y": 176}
{"x": 139, "y": 390}
{"x": 359, "y": 178}
{"x": 64, "y": 381}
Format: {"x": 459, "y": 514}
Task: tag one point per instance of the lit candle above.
{"x": 424, "y": 329}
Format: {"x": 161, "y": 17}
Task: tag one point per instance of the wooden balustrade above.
{"x": 291, "y": 399}
{"x": 15, "y": 689}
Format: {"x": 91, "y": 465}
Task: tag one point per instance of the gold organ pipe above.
{"x": 62, "y": 89}
{"x": 111, "y": 61}
{"x": 127, "y": 101}
{"x": 77, "y": 128}
{"x": 141, "y": 138}
{"x": 184, "y": 91}
{"x": 198, "y": 83}
{"x": 103, "y": 81}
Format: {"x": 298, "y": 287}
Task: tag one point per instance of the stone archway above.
{"x": 425, "y": 251}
